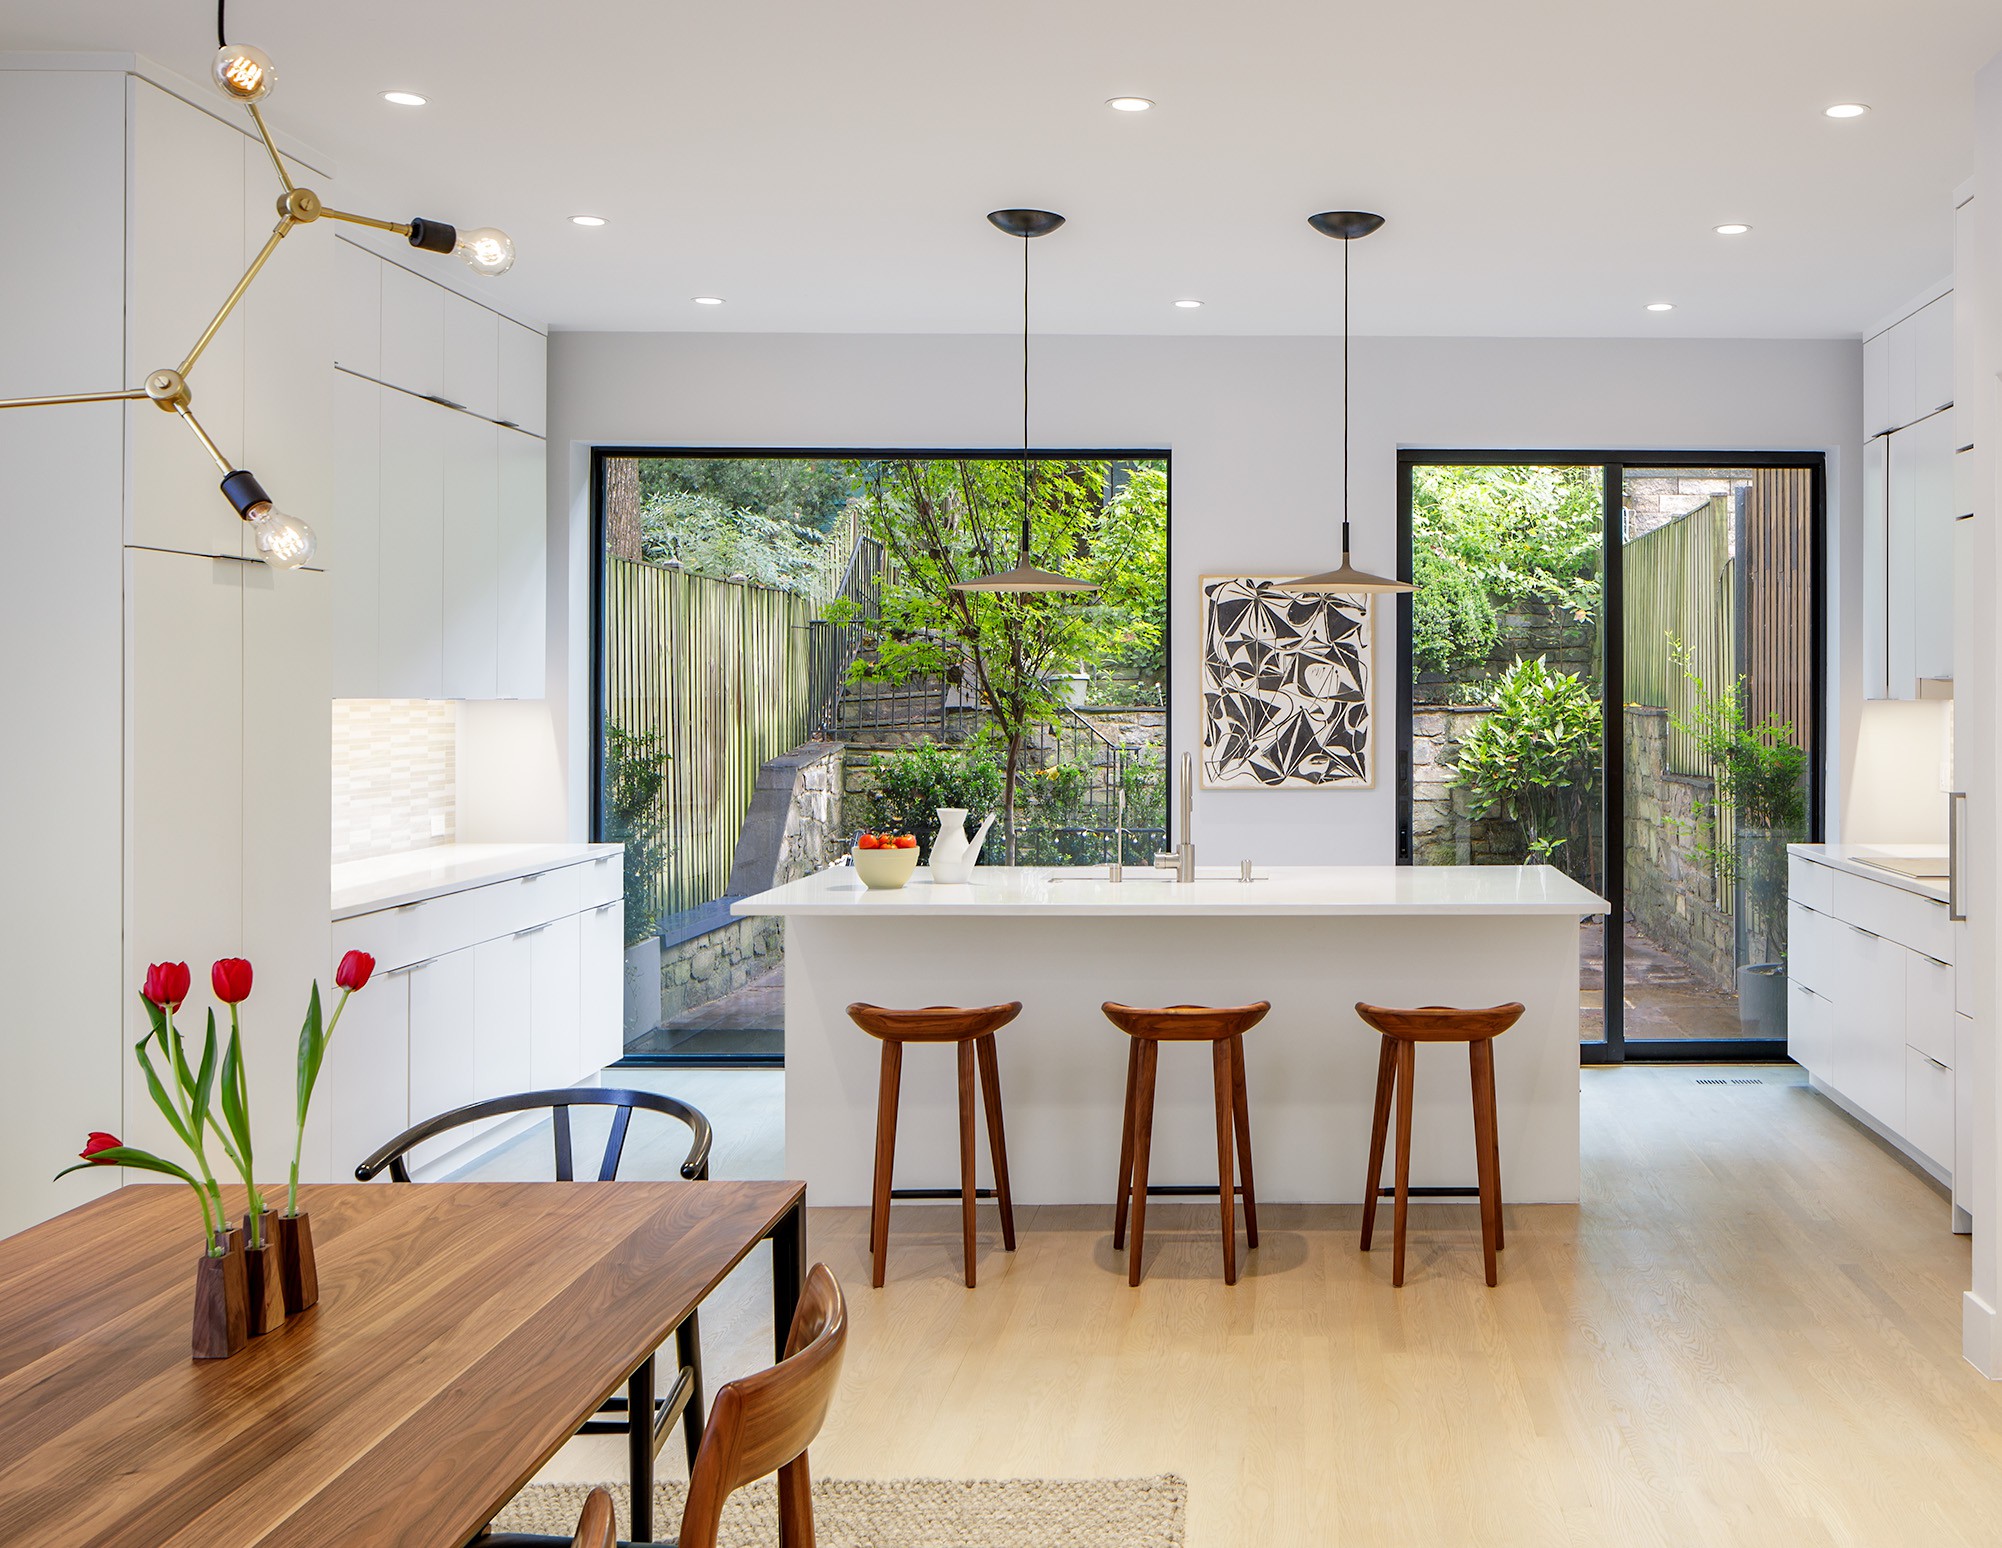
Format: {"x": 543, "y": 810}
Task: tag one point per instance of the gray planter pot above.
{"x": 642, "y": 987}
{"x": 1762, "y": 999}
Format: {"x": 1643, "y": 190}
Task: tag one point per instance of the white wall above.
{"x": 1254, "y": 426}
{"x": 1895, "y": 794}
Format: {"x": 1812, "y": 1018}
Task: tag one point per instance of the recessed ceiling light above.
{"x": 1188, "y": 301}
{"x": 587, "y": 220}
{"x": 1847, "y": 110}
{"x": 1129, "y": 104}
{"x": 1661, "y": 306}
{"x": 404, "y": 98}
{"x": 1732, "y": 228}
{"x": 707, "y": 300}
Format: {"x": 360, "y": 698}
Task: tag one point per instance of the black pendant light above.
{"x": 1346, "y": 226}
{"x": 1025, "y": 224}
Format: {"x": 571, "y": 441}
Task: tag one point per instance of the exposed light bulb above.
{"x": 243, "y": 73}
{"x": 283, "y": 542}
{"x": 485, "y": 250}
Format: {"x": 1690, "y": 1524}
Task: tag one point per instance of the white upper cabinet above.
{"x": 410, "y": 578}
{"x": 470, "y": 600}
{"x": 413, "y": 332}
{"x": 357, "y": 309}
{"x": 1932, "y": 357}
{"x": 1876, "y": 567}
{"x": 524, "y": 378}
{"x": 522, "y": 581}
{"x": 1932, "y": 547}
{"x": 1877, "y": 385}
{"x": 186, "y": 232}
{"x": 351, "y": 540}
{"x": 472, "y": 357}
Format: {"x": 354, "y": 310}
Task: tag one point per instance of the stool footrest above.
{"x": 940, "y": 1193}
{"x": 1430, "y": 1193}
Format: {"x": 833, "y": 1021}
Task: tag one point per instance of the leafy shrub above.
{"x": 1535, "y": 760}
{"x": 914, "y": 782}
{"x": 711, "y": 538}
{"x": 635, "y": 815}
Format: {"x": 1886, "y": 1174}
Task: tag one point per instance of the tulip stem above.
{"x": 174, "y": 1050}
{"x": 299, "y": 1139}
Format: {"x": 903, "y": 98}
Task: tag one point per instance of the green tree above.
{"x": 636, "y": 816}
{"x": 943, "y": 522}
{"x": 1485, "y": 536}
{"x": 712, "y": 538}
{"x": 804, "y": 492}
{"x": 1535, "y": 760}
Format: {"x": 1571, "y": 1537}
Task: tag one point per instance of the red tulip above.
{"x": 167, "y": 984}
{"x": 98, "y": 1141}
{"x": 354, "y": 971}
{"x": 230, "y": 978}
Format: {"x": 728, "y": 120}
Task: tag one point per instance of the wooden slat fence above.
{"x": 1777, "y": 564}
{"x": 719, "y": 674}
{"x": 1679, "y": 582}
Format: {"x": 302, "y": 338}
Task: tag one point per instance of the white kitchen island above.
{"x": 1312, "y": 940}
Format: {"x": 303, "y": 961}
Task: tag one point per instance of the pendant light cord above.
{"x": 221, "y": 41}
{"x": 1025, "y": 400}
{"x": 1347, "y": 243}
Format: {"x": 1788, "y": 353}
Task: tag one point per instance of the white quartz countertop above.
{"x": 1000, "y": 891}
{"x": 389, "y": 881}
{"x": 1852, "y": 857}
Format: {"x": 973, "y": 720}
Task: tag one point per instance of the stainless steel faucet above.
{"x": 1183, "y": 859}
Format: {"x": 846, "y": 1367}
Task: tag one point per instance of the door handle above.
{"x": 1861, "y": 931}
{"x": 1953, "y": 909}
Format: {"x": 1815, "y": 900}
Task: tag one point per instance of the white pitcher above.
{"x": 953, "y": 854}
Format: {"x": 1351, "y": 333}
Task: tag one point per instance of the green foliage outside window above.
{"x": 712, "y": 538}
{"x": 914, "y": 782}
{"x": 1485, "y": 537}
{"x": 635, "y": 815}
{"x": 1535, "y": 760}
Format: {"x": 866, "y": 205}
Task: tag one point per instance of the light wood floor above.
{"x": 1749, "y": 1335}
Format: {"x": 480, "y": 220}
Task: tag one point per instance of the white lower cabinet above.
{"x": 1871, "y": 1006}
{"x": 508, "y": 986}
{"x": 503, "y": 1059}
{"x": 365, "y": 1078}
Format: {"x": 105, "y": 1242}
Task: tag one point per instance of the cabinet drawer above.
{"x": 1929, "y": 1014}
{"x": 600, "y": 881}
{"x": 1893, "y": 913}
{"x": 1808, "y": 1029}
{"x": 1929, "y": 1108}
{"x": 395, "y": 937}
{"x": 1807, "y": 883}
{"x": 1808, "y": 946}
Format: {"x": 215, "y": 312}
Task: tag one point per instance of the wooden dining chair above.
{"x": 758, "y": 1425}
{"x": 683, "y": 1399}
{"x": 597, "y": 1526}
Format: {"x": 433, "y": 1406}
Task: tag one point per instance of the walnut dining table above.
{"x": 463, "y": 1333}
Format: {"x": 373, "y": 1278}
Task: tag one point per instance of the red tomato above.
{"x": 907, "y": 841}
{"x": 868, "y": 841}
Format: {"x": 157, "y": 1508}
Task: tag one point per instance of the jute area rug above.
{"x": 911, "y": 1512}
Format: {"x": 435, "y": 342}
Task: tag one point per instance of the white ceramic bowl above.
{"x": 885, "y": 869}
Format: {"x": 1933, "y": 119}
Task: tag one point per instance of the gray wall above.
{"x": 1254, "y": 425}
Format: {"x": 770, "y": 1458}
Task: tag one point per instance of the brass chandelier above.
{"x": 245, "y": 75}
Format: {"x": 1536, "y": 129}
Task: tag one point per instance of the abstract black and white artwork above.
{"x": 1285, "y": 686}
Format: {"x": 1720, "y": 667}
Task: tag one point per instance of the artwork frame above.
{"x": 1268, "y": 719}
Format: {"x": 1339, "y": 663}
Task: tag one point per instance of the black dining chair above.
{"x": 683, "y": 1400}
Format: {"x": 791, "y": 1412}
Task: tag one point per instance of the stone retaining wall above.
{"x": 1529, "y": 629}
{"x": 719, "y": 963}
{"x": 1672, "y": 890}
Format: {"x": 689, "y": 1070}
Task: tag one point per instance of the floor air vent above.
{"x": 1730, "y": 1080}
{"x": 1711, "y": 1080}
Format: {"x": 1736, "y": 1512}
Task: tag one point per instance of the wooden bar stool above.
{"x": 1403, "y": 1031}
{"x": 973, "y": 1032}
{"x": 1223, "y": 1028}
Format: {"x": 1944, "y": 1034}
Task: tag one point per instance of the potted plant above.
{"x": 1760, "y": 806}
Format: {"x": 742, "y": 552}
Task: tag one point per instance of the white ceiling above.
{"x": 1547, "y": 166}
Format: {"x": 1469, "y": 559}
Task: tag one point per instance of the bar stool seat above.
{"x": 1403, "y": 1031}
{"x": 1223, "y": 1027}
{"x": 972, "y": 1030}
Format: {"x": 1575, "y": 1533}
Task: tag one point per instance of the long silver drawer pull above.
{"x": 404, "y": 908}
{"x": 531, "y": 876}
{"x": 531, "y": 930}
{"x": 1953, "y": 800}
{"x": 411, "y": 967}
{"x": 603, "y": 906}
{"x": 1936, "y": 1064}
{"x": 1861, "y": 931}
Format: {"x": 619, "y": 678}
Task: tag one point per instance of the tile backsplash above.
{"x": 395, "y": 775}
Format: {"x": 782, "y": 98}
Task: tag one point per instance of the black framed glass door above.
{"x": 1612, "y": 665}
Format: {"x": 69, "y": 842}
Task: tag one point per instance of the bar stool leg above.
{"x": 967, "y": 1182}
{"x": 1386, "y": 1081}
{"x": 997, "y": 1141}
{"x": 1125, "y": 1197}
{"x": 1241, "y": 1106}
{"x": 886, "y": 1149}
{"x": 1481, "y": 1060}
{"x": 1407, "y": 1061}
{"x": 1225, "y": 1155}
{"x": 1143, "y": 1139}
